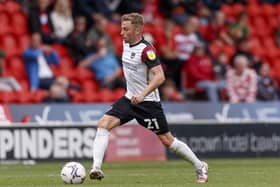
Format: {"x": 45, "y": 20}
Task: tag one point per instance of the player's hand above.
{"x": 137, "y": 99}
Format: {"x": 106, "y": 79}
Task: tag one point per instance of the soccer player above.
{"x": 144, "y": 74}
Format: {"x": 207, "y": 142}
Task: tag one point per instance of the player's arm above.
{"x": 155, "y": 82}
{"x": 149, "y": 57}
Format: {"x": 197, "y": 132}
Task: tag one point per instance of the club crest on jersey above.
{"x": 151, "y": 55}
{"x": 132, "y": 55}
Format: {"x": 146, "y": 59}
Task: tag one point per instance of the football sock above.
{"x": 183, "y": 150}
{"x": 99, "y": 146}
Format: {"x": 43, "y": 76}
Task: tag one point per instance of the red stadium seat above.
{"x": 83, "y": 74}
{"x": 237, "y": 8}
{"x": 89, "y": 85}
{"x": 67, "y": 61}
{"x": 62, "y": 51}
{"x": 91, "y": 96}
{"x": 75, "y": 96}
{"x": 23, "y": 97}
{"x": 16, "y": 68}
{"x": 10, "y": 45}
{"x": 23, "y": 41}
{"x": 254, "y": 10}
{"x": 7, "y": 97}
{"x": 38, "y": 95}
{"x": 227, "y": 10}
{"x": 113, "y": 29}
{"x": 19, "y": 23}
{"x": 118, "y": 93}
{"x": 5, "y": 23}
{"x": 12, "y": 7}
{"x": 105, "y": 95}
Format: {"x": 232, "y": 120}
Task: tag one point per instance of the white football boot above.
{"x": 202, "y": 173}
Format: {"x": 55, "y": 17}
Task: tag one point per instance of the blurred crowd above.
{"x": 210, "y": 50}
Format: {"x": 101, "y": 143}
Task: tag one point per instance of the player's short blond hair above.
{"x": 136, "y": 19}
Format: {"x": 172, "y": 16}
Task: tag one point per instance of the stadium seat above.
{"x": 19, "y": 23}
{"x": 61, "y": 50}
{"x": 5, "y": 23}
{"x": 24, "y": 85}
{"x": 67, "y": 71}
{"x": 10, "y": 45}
{"x": 23, "y": 41}
{"x": 227, "y": 10}
{"x": 7, "y": 97}
{"x": 113, "y": 29}
{"x": 91, "y": 96}
{"x": 83, "y": 74}
{"x": 268, "y": 10}
{"x": 105, "y": 95}
{"x": 89, "y": 85}
{"x": 38, "y": 95}
{"x": 237, "y": 8}
{"x": 253, "y": 10}
{"x": 16, "y": 68}
{"x": 75, "y": 96}
{"x": 23, "y": 97}
{"x": 118, "y": 93}
{"x": 12, "y": 7}
{"x": 277, "y": 7}
{"x": 117, "y": 40}
{"x": 67, "y": 61}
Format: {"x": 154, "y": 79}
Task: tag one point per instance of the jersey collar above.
{"x": 137, "y": 43}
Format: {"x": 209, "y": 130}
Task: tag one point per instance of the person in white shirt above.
{"x": 62, "y": 19}
{"x": 144, "y": 74}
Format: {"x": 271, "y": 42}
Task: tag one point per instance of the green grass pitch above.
{"x": 222, "y": 173}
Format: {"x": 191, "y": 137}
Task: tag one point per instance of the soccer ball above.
{"x": 73, "y": 173}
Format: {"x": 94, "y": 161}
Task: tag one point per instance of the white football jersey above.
{"x": 137, "y": 60}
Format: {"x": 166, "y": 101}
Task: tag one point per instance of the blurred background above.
{"x": 60, "y": 65}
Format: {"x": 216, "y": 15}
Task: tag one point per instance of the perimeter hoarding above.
{"x": 175, "y": 112}
{"x": 132, "y": 142}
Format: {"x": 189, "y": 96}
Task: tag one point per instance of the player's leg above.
{"x": 183, "y": 150}
{"x": 115, "y": 116}
{"x": 100, "y": 144}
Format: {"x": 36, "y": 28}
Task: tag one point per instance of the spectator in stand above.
{"x": 241, "y": 81}
{"x": 37, "y": 58}
{"x": 216, "y": 31}
{"x": 58, "y": 91}
{"x": 174, "y": 10}
{"x": 239, "y": 29}
{"x": 77, "y": 42}
{"x": 204, "y": 14}
{"x": 110, "y": 9}
{"x": 105, "y": 67}
{"x": 221, "y": 66}
{"x": 266, "y": 84}
{"x": 243, "y": 48}
{"x": 7, "y": 83}
{"x": 39, "y": 21}
{"x": 198, "y": 74}
{"x": 96, "y": 53}
{"x": 99, "y": 31}
{"x": 165, "y": 42}
{"x": 62, "y": 19}
{"x": 185, "y": 43}
{"x": 169, "y": 93}
{"x": 150, "y": 11}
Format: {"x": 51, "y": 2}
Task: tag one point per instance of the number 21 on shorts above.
{"x": 152, "y": 124}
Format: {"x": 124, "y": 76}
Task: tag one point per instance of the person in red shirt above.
{"x": 199, "y": 74}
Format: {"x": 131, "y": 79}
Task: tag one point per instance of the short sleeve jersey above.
{"x": 137, "y": 61}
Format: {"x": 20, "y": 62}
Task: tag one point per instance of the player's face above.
{"x": 128, "y": 32}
